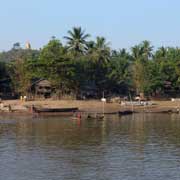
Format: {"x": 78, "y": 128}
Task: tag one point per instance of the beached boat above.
{"x": 55, "y": 111}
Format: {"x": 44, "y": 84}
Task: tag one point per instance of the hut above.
{"x": 41, "y": 88}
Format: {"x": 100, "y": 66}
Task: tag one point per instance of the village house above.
{"x": 41, "y": 88}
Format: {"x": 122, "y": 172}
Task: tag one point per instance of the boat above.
{"x": 55, "y": 111}
{"x": 97, "y": 117}
{"x": 126, "y": 112}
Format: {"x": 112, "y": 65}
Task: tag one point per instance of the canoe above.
{"x": 89, "y": 117}
{"x": 126, "y": 112}
{"x": 55, "y": 111}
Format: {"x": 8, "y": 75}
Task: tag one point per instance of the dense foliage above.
{"x": 83, "y": 64}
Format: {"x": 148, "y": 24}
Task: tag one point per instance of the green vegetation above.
{"x": 82, "y": 64}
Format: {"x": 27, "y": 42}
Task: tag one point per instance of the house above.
{"x": 41, "y": 88}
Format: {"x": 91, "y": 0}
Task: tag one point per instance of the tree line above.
{"x": 83, "y": 63}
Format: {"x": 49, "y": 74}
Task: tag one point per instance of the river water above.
{"x": 139, "y": 147}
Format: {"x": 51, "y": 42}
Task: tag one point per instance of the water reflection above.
{"x": 131, "y": 147}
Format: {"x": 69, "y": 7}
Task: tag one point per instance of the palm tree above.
{"x": 147, "y": 49}
{"x": 142, "y": 51}
{"x": 141, "y": 54}
{"x": 77, "y": 40}
{"x": 161, "y": 52}
{"x": 136, "y": 52}
{"x": 90, "y": 47}
{"x": 102, "y": 50}
{"x": 99, "y": 52}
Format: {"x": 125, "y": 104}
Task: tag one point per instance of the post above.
{"x": 132, "y": 106}
{"x": 103, "y": 101}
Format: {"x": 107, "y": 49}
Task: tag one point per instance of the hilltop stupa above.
{"x": 28, "y": 45}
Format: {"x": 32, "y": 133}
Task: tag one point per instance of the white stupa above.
{"x": 28, "y": 45}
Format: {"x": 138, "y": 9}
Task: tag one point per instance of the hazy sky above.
{"x": 123, "y": 22}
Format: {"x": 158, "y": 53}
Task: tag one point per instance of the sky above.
{"x": 124, "y": 23}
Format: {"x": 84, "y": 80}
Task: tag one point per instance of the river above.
{"x": 139, "y": 147}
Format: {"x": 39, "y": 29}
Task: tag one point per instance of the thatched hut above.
{"x": 41, "y": 88}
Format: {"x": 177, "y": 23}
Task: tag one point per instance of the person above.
{"x": 32, "y": 109}
{"x": 9, "y": 107}
{"x": 25, "y": 98}
{"x": 1, "y": 105}
{"x": 79, "y": 115}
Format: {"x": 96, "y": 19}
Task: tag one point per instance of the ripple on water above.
{"x": 132, "y": 147}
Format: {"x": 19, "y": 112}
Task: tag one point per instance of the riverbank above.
{"x": 92, "y": 106}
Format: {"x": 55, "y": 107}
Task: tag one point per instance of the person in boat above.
{"x": 32, "y": 109}
{"x": 78, "y": 115}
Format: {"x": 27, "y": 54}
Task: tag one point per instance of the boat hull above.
{"x": 55, "y": 111}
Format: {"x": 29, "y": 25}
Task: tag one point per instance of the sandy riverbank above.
{"x": 93, "y": 105}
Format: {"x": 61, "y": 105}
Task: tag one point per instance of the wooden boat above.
{"x": 97, "y": 117}
{"x": 126, "y": 112}
{"x": 55, "y": 111}
{"x": 169, "y": 111}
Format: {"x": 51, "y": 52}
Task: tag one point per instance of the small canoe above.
{"x": 89, "y": 117}
{"x": 162, "y": 111}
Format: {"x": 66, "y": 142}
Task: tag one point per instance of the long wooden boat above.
{"x": 126, "y": 112}
{"x": 55, "y": 111}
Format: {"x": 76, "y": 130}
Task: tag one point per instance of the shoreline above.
{"x": 92, "y": 106}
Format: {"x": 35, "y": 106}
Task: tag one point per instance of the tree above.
{"x": 119, "y": 74}
{"x": 101, "y": 50}
{"x": 146, "y": 49}
{"x": 99, "y": 53}
{"x": 161, "y": 53}
{"x": 141, "y": 54}
{"x": 22, "y": 70}
{"x": 77, "y": 41}
{"x": 16, "y": 46}
{"x": 136, "y": 52}
{"x": 56, "y": 65}
{"x": 20, "y": 76}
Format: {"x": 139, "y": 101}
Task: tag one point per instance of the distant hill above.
{"x": 15, "y": 54}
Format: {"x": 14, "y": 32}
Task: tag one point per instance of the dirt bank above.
{"x": 94, "y": 105}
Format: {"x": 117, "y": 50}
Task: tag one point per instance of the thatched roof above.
{"x": 44, "y": 83}
{"x": 41, "y": 82}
